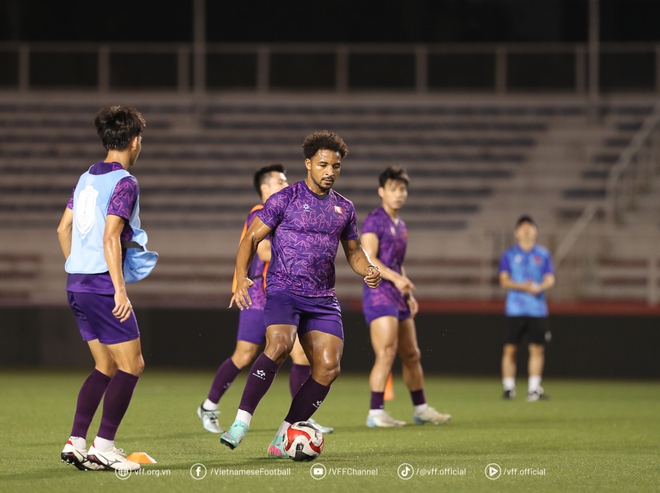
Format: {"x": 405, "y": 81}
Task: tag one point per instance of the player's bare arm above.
{"x": 361, "y": 263}
{"x": 370, "y": 244}
{"x": 413, "y": 306}
{"x": 113, "y": 257}
{"x": 263, "y": 251}
{"x": 64, "y": 232}
{"x": 246, "y": 250}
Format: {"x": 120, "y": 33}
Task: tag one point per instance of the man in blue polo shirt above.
{"x": 526, "y": 272}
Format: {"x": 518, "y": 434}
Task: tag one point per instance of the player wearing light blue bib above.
{"x": 104, "y": 248}
{"x": 526, "y": 272}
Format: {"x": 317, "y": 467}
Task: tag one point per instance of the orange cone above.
{"x": 141, "y": 458}
{"x": 389, "y": 389}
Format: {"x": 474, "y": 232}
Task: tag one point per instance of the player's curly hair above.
{"x": 323, "y": 140}
{"x": 262, "y": 173}
{"x": 118, "y": 125}
{"x": 396, "y": 173}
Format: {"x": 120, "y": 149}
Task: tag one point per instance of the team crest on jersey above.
{"x": 537, "y": 260}
{"x": 338, "y": 210}
{"x": 86, "y": 210}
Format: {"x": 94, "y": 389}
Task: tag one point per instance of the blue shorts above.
{"x": 371, "y": 313}
{"x": 251, "y": 326}
{"x": 306, "y": 313}
{"x": 93, "y": 313}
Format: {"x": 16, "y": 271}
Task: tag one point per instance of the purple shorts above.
{"x": 93, "y": 313}
{"x": 371, "y": 313}
{"x": 251, "y": 326}
{"x": 322, "y": 314}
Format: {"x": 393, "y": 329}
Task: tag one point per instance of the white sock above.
{"x": 243, "y": 416}
{"x": 103, "y": 445}
{"x": 282, "y": 429}
{"x": 509, "y": 383}
{"x": 209, "y": 406}
{"x": 534, "y": 383}
{"x": 376, "y": 412}
{"x": 78, "y": 442}
{"x": 420, "y": 408}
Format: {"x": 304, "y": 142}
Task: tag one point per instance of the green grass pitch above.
{"x": 591, "y": 436}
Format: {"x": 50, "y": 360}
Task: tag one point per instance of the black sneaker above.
{"x": 509, "y": 394}
{"x": 538, "y": 395}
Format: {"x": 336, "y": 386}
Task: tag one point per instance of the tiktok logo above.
{"x": 260, "y": 374}
{"x": 405, "y": 471}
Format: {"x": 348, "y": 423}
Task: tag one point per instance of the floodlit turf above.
{"x": 591, "y": 436}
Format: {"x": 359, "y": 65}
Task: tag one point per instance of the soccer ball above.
{"x": 303, "y": 441}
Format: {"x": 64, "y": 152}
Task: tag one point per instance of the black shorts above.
{"x": 537, "y": 328}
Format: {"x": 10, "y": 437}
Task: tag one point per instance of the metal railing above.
{"x": 498, "y": 68}
{"x": 611, "y": 265}
{"x": 635, "y": 170}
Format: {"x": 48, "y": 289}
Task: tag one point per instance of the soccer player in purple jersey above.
{"x": 251, "y": 329}
{"x": 306, "y": 221}
{"x": 390, "y": 309}
{"x": 97, "y": 295}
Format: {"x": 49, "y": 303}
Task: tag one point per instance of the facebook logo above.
{"x": 198, "y": 471}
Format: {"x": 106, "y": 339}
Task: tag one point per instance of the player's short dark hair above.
{"x": 323, "y": 140}
{"x": 396, "y": 173}
{"x": 261, "y": 175}
{"x": 118, "y": 125}
{"x": 525, "y": 218}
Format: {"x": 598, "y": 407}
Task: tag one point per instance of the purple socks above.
{"x": 418, "y": 397}
{"x": 89, "y": 398}
{"x": 117, "y": 398}
{"x": 261, "y": 376}
{"x": 306, "y": 401}
{"x": 224, "y": 377}
{"x": 299, "y": 373}
{"x": 377, "y": 400}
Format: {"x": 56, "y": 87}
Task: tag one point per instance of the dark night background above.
{"x": 425, "y": 21}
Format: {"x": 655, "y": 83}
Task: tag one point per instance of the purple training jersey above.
{"x": 392, "y": 243}
{"x": 256, "y": 272}
{"x": 307, "y": 229}
{"x": 121, "y": 204}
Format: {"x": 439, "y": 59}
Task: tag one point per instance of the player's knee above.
{"x": 327, "y": 373}
{"x": 386, "y": 355}
{"x": 299, "y": 358}
{"x": 412, "y": 356}
{"x": 277, "y": 349}
{"x": 137, "y": 367}
{"x": 243, "y": 358}
{"x": 133, "y": 366}
{"x": 108, "y": 369}
{"x": 536, "y": 349}
{"x": 510, "y": 350}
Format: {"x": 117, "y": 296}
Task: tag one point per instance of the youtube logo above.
{"x": 493, "y": 471}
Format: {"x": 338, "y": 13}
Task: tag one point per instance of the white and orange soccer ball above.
{"x": 303, "y": 441}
